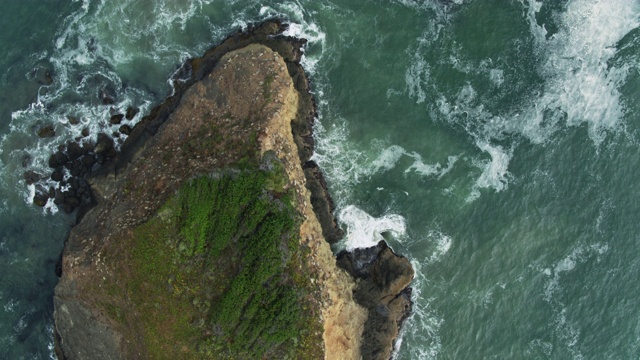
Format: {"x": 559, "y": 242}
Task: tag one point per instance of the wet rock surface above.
{"x": 383, "y": 289}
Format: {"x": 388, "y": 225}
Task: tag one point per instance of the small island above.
{"x": 207, "y": 236}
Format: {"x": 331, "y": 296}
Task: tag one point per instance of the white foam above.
{"x": 484, "y": 128}
{"x": 496, "y": 76}
{"x": 440, "y": 8}
{"x": 494, "y": 173}
{"x": 581, "y": 85}
{"x": 436, "y": 169}
{"x": 10, "y": 305}
{"x": 416, "y": 75}
{"x": 424, "y": 323}
{"x": 386, "y": 160}
{"x": 345, "y": 166}
{"x": 443, "y": 245}
{"x": 364, "y": 230}
{"x": 580, "y": 82}
{"x": 340, "y": 163}
{"x": 300, "y": 27}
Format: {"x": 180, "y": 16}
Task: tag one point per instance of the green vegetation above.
{"x": 219, "y": 272}
{"x": 266, "y": 87}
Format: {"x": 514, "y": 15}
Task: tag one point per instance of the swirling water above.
{"x": 493, "y": 142}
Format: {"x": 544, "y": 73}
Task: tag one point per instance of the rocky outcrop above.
{"x": 244, "y": 98}
{"x": 382, "y": 288}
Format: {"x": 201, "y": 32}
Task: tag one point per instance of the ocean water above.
{"x": 493, "y": 142}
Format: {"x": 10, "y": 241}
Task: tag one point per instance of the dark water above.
{"x": 492, "y": 142}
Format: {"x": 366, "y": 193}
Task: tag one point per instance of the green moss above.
{"x": 219, "y": 272}
{"x": 266, "y": 87}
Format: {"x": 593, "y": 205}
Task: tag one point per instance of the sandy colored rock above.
{"x": 248, "y": 96}
{"x": 343, "y": 318}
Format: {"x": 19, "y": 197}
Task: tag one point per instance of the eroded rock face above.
{"x": 382, "y": 288}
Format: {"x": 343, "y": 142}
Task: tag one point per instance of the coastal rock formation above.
{"x": 205, "y": 236}
{"x": 383, "y": 289}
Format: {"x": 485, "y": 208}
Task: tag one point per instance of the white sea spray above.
{"x": 364, "y": 230}
{"x": 580, "y": 84}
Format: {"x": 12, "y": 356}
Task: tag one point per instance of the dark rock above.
{"x": 382, "y": 288}
{"x": 88, "y": 147}
{"x": 76, "y": 168}
{"x": 58, "y": 268}
{"x": 116, "y": 119}
{"x": 302, "y": 129}
{"x": 267, "y": 28}
{"x": 57, "y": 175}
{"x": 73, "y": 120}
{"x": 31, "y": 177}
{"x": 131, "y": 112}
{"x": 47, "y": 131}
{"x": 74, "y": 150}
{"x": 107, "y": 96}
{"x": 58, "y": 199}
{"x": 100, "y": 158}
{"x": 42, "y": 75}
{"x": 48, "y": 77}
{"x": 26, "y": 160}
{"x": 74, "y": 183}
{"x": 40, "y": 198}
{"x": 85, "y": 132}
{"x": 104, "y": 144}
{"x": 72, "y": 201}
{"x": 321, "y": 201}
{"x": 88, "y": 160}
{"x": 58, "y": 159}
{"x": 125, "y": 129}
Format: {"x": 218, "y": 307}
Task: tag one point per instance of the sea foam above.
{"x": 424, "y": 323}
{"x": 580, "y": 83}
{"x": 364, "y": 230}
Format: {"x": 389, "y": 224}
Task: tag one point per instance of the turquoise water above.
{"x": 492, "y": 142}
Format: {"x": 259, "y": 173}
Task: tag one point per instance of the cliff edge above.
{"x": 206, "y": 236}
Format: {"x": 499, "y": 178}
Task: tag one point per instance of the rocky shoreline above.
{"x": 267, "y": 105}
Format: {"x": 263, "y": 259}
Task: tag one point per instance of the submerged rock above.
{"x": 47, "y": 131}
{"x": 31, "y": 177}
{"x": 73, "y": 120}
{"x": 41, "y": 197}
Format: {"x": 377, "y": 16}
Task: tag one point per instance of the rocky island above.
{"x": 208, "y": 234}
